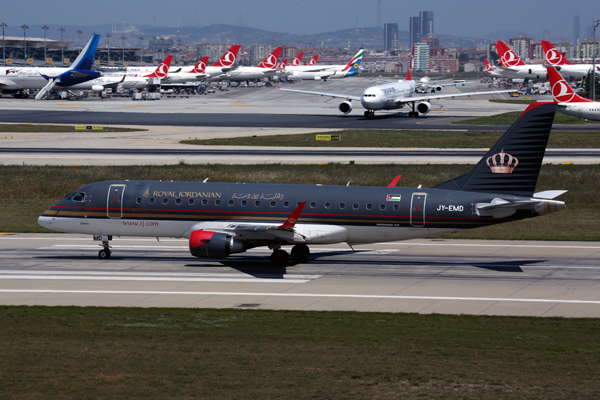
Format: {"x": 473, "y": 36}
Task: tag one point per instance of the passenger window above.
{"x": 217, "y": 202}
{"x": 327, "y": 205}
{"x": 204, "y": 202}
{"x": 177, "y": 201}
{"x": 286, "y": 204}
{"x": 355, "y": 206}
{"x": 257, "y": 203}
{"x": 369, "y": 206}
{"x": 382, "y": 206}
{"x": 313, "y": 204}
{"x": 138, "y": 200}
{"x": 273, "y": 203}
{"x": 191, "y": 202}
{"x": 396, "y": 207}
{"x": 151, "y": 200}
{"x": 342, "y": 206}
{"x": 244, "y": 203}
{"x": 230, "y": 202}
{"x": 165, "y": 200}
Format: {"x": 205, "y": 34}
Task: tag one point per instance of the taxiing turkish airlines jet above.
{"x": 514, "y": 67}
{"x": 391, "y": 96}
{"x": 568, "y": 101}
{"x": 220, "y": 219}
{"x": 265, "y": 69}
{"x": 566, "y": 68}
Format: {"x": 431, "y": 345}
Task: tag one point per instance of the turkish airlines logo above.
{"x": 295, "y": 62}
{"x": 201, "y": 66}
{"x": 553, "y": 56}
{"x": 312, "y": 61}
{"x": 228, "y": 59}
{"x": 562, "y": 92}
{"x": 162, "y": 70}
{"x": 271, "y": 61}
{"x": 510, "y": 59}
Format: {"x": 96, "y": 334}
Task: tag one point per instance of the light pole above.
{"x": 123, "y": 40}
{"x": 25, "y": 27}
{"x": 595, "y": 25}
{"x": 108, "y": 47}
{"x": 45, "y": 28}
{"x": 141, "y": 41}
{"x": 62, "y": 48}
{"x": 79, "y": 32}
{"x": 3, "y": 25}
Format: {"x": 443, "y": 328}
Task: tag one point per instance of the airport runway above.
{"x": 424, "y": 276}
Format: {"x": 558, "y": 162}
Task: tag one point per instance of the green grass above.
{"x": 26, "y": 191}
{"x": 509, "y": 117}
{"x": 24, "y": 128}
{"x": 515, "y": 101}
{"x": 136, "y": 353}
{"x": 401, "y": 139}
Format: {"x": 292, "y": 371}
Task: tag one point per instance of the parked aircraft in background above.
{"x": 514, "y": 67}
{"x": 568, "y": 101}
{"x": 391, "y": 96}
{"x": 135, "y": 81}
{"x": 266, "y": 69}
{"x": 220, "y": 219}
{"x": 327, "y": 72}
{"x": 492, "y": 70}
{"x": 313, "y": 61}
{"x": 18, "y": 79}
{"x": 565, "y": 67}
{"x": 436, "y": 85}
{"x": 296, "y": 61}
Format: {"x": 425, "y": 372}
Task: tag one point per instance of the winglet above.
{"x": 292, "y": 219}
{"x": 395, "y": 181}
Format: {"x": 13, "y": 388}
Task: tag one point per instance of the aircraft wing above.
{"x": 338, "y": 95}
{"x": 436, "y": 96}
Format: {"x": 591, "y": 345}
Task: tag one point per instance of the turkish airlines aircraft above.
{"x": 492, "y": 70}
{"x": 568, "y": 101}
{"x": 265, "y": 69}
{"x": 566, "y": 68}
{"x": 514, "y": 67}
{"x": 296, "y": 61}
{"x": 220, "y": 219}
{"x": 392, "y": 96}
{"x": 313, "y": 61}
{"x": 135, "y": 81}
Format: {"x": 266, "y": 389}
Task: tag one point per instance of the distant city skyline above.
{"x": 465, "y": 18}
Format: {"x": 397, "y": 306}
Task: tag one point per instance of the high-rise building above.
{"x": 521, "y": 45}
{"x": 414, "y": 30}
{"x": 426, "y": 18}
{"x": 421, "y": 60}
{"x": 390, "y": 36}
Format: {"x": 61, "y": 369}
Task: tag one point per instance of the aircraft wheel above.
{"x": 300, "y": 252}
{"x": 366, "y": 114}
{"x": 104, "y": 254}
{"x": 280, "y": 258}
{"x": 410, "y": 114}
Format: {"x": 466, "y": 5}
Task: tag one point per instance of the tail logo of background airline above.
{"x": 488, "y": 67}
{"x": 296, "y": 61}
{"x": 553, "y": 56}
{"x": 12, "y": 71}
{"x": 228, "y": 59}
{"x": 562, "y": 92}
{"x": 312, "y": 62}
{"x": 502, "y": 163}
{"x": 201, "y": 66}
{"x": 270, "y": 61}
{"x": 509, "y": 58}
{"x": 163, "y": 69}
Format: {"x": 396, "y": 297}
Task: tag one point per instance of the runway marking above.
{"x": 242, "y": 105}
{"x": 5, "y": 233}
{"x": 150, "y": 279}
{"x": 134, "y": 106}
{"x": 325, "y": 295}
{"x": 180, "y": 274}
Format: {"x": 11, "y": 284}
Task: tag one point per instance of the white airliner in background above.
{"x": 391, "y": 96}
{"x": 514, "y": 67}
{"x": 566, "y": 68}
{"x": 568, "y": 101}
{"x": 266, "y": 69}
{"x": 326, "y": 71}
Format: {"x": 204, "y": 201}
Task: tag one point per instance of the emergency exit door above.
{"x": 417, "y": 209}
{"x": 114, "y": 202}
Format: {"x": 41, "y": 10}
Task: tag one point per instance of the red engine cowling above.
{"x": 208, "y": 244}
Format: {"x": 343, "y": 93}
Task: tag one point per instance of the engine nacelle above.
{"x": 345, "y": 107}
{"x": 97, "y": 88}
{"x": 317, "y": 78}
{"x": 438, "y": 88}
{"x": 208, "y": 244}
{"x": 423, "y": 107}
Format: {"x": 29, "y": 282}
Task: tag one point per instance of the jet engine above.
{"x": 207, "y": 244}
{"x": 438, "y": 88}
{"x": 423, "y": 107}
{"x": 345, "y": 107}
{"x": 97, "y": 88}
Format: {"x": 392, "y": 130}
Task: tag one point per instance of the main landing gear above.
{"x": 413, "y": 114}
{"x": 281, "y": 258}
{"x": 370, "y": 114}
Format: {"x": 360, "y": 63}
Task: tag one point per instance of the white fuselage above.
{"x": 587, "y": 110}
{"x": 576, "y": 71}
{"x": 28, "y": 78}
{"x": 535, "y": 72}
{"x": 97, "y": 84}
{"x": 248, "y": 73}
{"x": 310, "y": 75}
{"x": 384, "y": 97}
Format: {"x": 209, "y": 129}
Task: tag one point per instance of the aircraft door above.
{"x": 417, "y": 209}
{"x": 114, "y": 201}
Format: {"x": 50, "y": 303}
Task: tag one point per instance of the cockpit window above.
{"x": 79, "y": 196}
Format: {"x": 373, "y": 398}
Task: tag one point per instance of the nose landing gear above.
{"x": 105, "y": 253}
{"x": 369, "y": 114}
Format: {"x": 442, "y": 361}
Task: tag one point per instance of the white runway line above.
{"x": 149, "y": 279}
{"x": 526, "y": 246}
{"x": 352, "y": 296}
{"x": 171, "y": 274}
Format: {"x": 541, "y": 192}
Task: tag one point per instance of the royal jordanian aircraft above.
{"x": 327, "y": 72}
{"x": 392, "y": 96}
{"x": 514, "y": 67}
{"x": 266, "y": 69}
{"x": 17, "y": 79}
{"x": 568, "y": 101}
{"x": 566, "y": 68}
{"x": 220, "y": 219}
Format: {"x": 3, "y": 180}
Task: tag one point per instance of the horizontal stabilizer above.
{"x": 549, "y": 194}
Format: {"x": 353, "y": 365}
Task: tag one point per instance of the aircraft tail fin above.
{"x": 553, "y": 56}
{"x": 352, "y": 68}
{"x": 561, "y": 91}
{"x": 162, "y": 71}
{"x": 313, "y": 60}
{"x": 271, "y": 61}
{"x": 411, "y": 65}
{"x": 512, "y": 165}
{"x": 85, "y": 59}
{"x": 508, "y": 58}
{"x": 296, "y": 61}
{"x": 227, "y": 60}
{"x": 488, "y": 67}
{"x": 200, "y": 68}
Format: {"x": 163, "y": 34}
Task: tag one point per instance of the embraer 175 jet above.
{"x": 392, "y": 96}
{"x": 17, "y": 79}
{"x": 566, "y": 68}
{"x": 568, "y": 101}
{"x": 220, "y": 219}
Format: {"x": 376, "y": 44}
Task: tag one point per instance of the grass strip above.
{"x": 515, "y": 101}
{"x": 136, "y": 353}
{"x": 26, "y": 191}
{"x": 400, "y": 139}
{"x": 29, "y": 128}
{"x": 509, "y": 117}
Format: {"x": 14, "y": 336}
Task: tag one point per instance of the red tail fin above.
{"x": 200, "y": 68}
{"x": 553, "y": 56}
{"x": 488, "y": 67}
{"x": 162, "y": 71}
{"x": 411, "y": 65}
{"x": 282, "y": 64}
{"x": 271, "y": 61}
{"x": 508, "y": 58}
{"x": 296, "y": 61}
{"x": 228, "y": 58}
{"x": 313, "y": 60}
{"x": 561, "y": 91}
